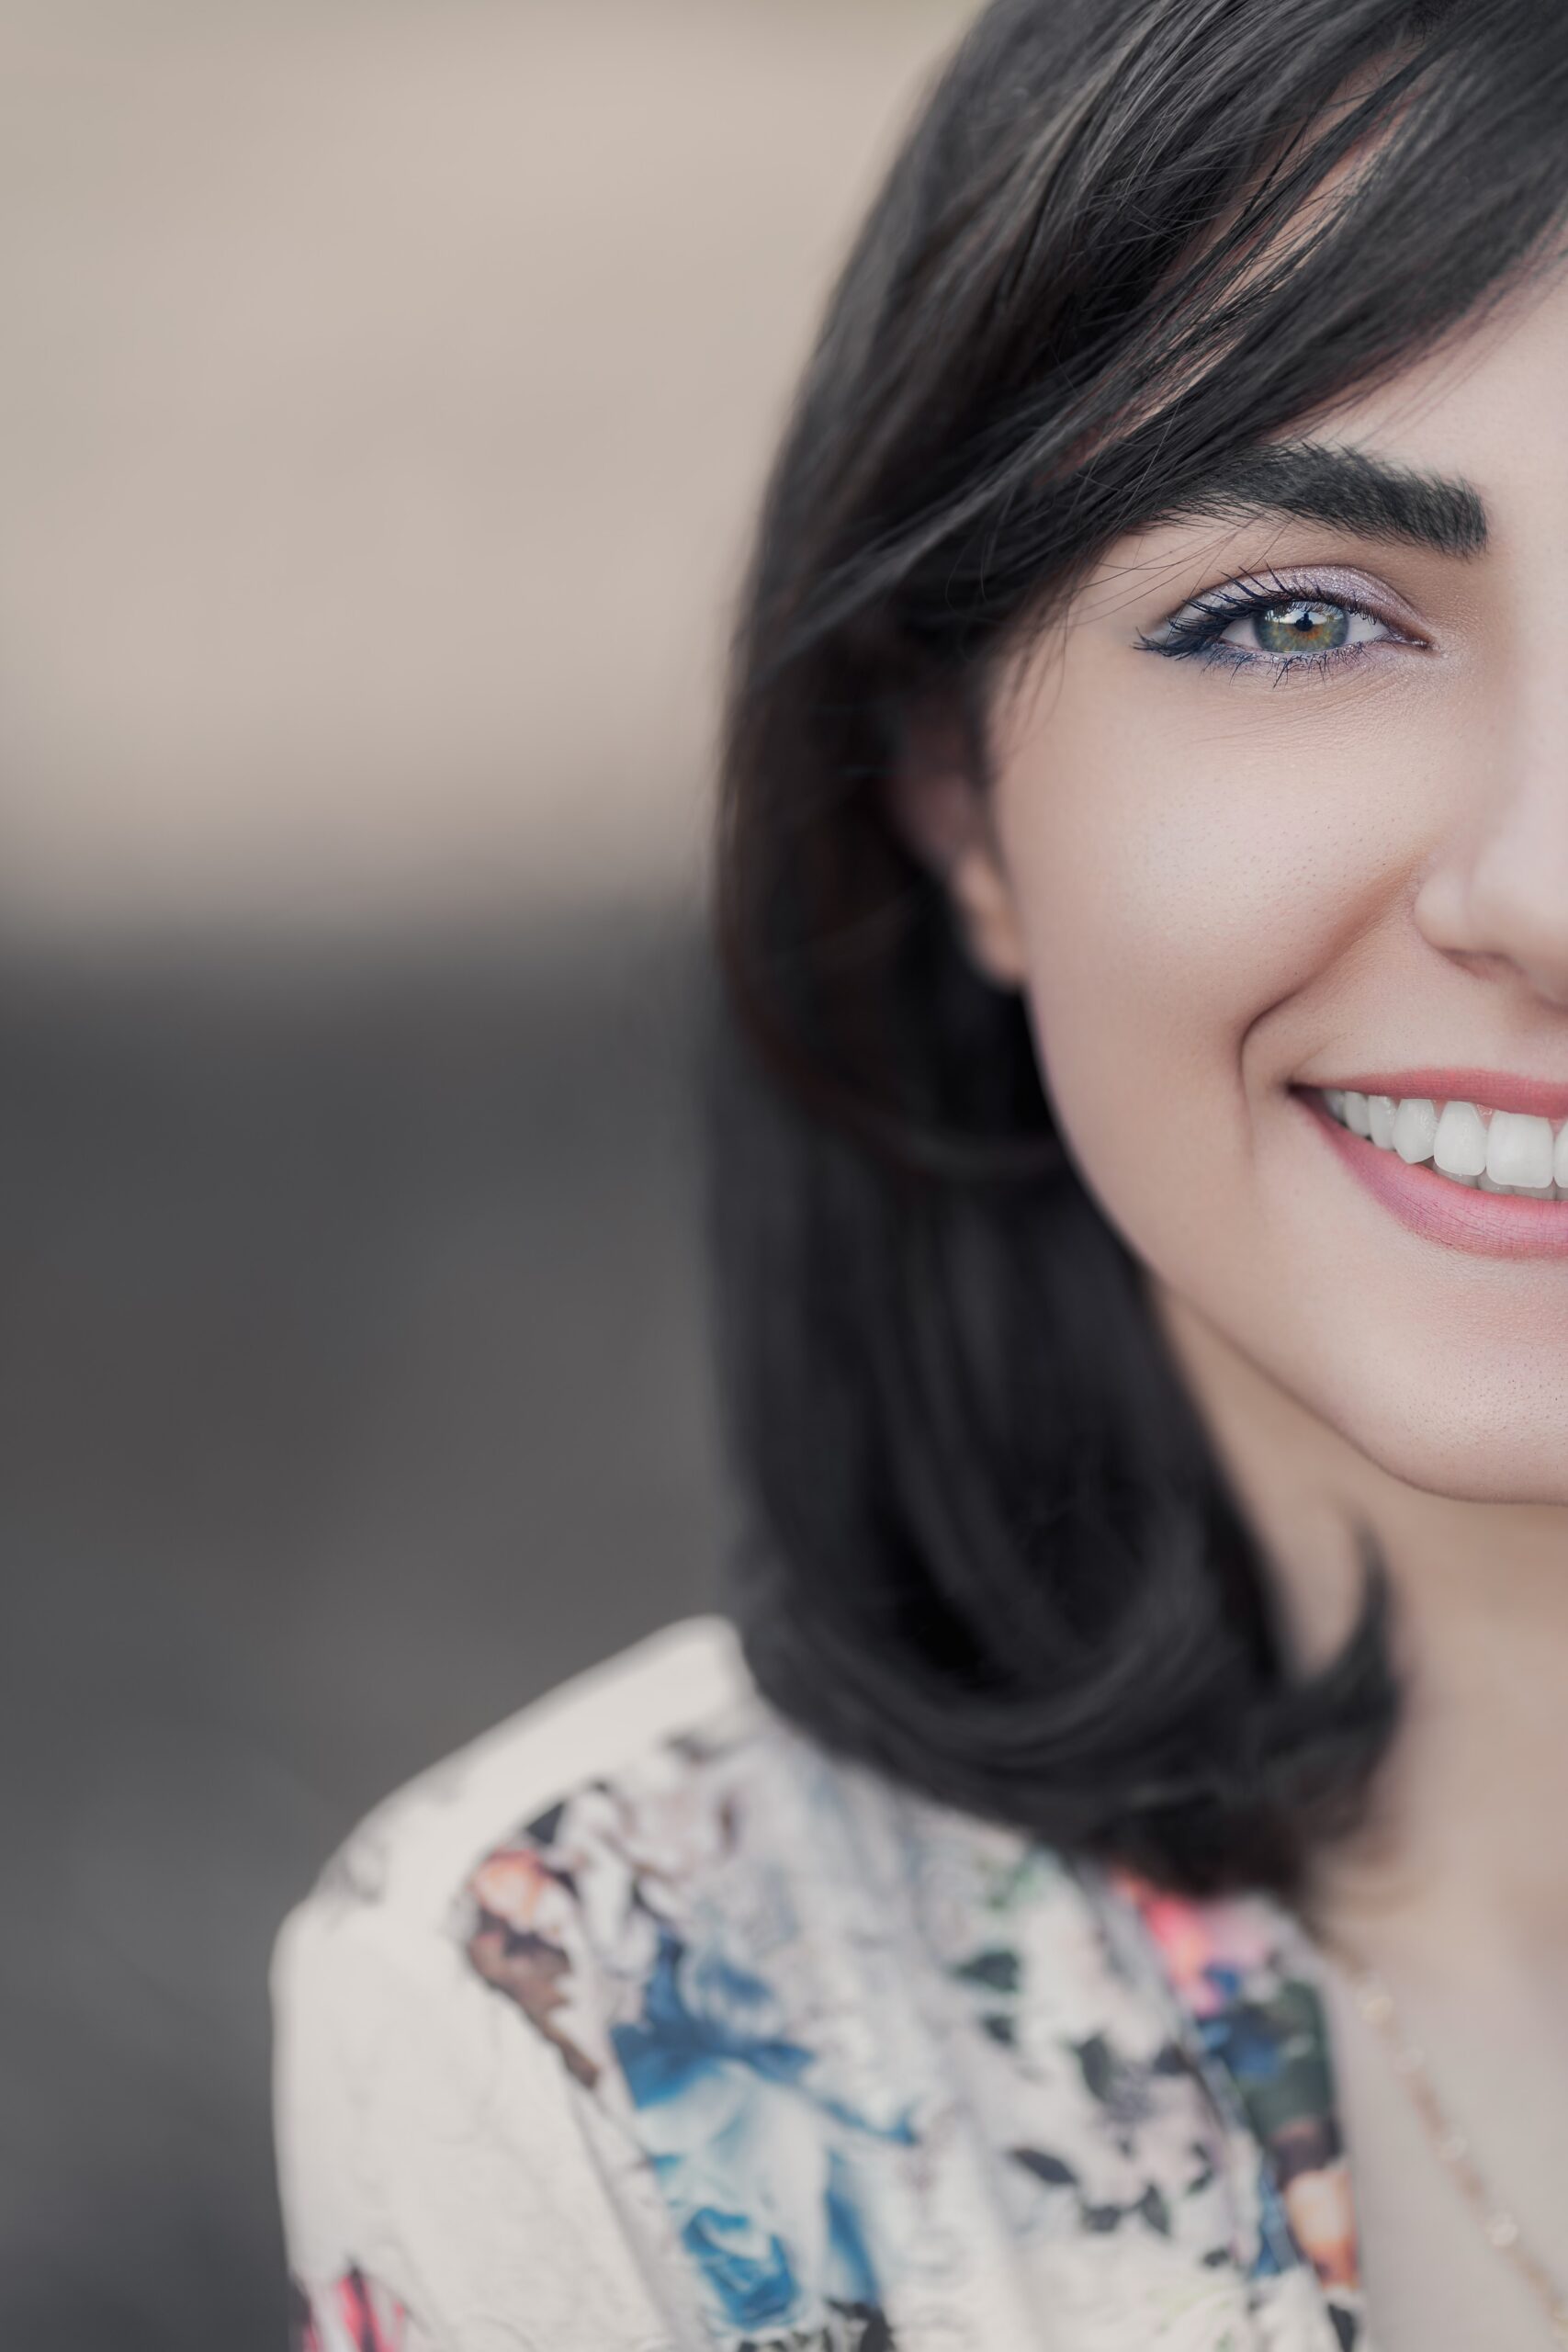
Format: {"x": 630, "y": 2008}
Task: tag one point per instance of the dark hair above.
{"x": 988, "y": 1548}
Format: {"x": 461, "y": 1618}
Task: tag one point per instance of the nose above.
{"x": 1496, "y": 896}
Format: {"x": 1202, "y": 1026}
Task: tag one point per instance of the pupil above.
{"x": 1285, "y": 629}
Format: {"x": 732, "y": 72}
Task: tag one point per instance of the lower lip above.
{"x": 1487, "y": 1224}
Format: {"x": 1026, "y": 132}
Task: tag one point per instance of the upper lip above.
{"x": 1494, "y": 1090}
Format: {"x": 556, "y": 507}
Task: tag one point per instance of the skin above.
{"x": 1212, "y": 883}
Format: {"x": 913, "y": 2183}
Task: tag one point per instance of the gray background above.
{"x": 353, "y": 1391}
{"x": 385, "y": 391}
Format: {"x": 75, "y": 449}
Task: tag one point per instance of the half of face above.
{"x": 1276, "y": 848}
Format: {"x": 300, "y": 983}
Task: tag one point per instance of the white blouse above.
{"x": 644, "y": 2025}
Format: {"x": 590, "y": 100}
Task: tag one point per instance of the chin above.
{"x": 1466, "y": 1444}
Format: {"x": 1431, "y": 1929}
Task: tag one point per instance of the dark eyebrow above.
{"x": 1345, "y": 489}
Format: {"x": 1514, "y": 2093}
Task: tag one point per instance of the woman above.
{"x": 1102, "y": 1885}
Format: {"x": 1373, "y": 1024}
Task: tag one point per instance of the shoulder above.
{"x": 400, "y": 1885}
{"x": 647, "y": 2017}
{"x": 407, "y": 1856}
{"x": 426, "y": 2129}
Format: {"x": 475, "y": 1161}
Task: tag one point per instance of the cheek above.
{"x": 1210, "y": 903}
{"x": 1172, "y": 895}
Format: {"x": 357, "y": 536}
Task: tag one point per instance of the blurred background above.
{"x": 385, "y": 390}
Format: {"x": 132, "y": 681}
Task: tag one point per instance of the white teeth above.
{"x": 1500, "y": 1151}
{"x": 1520, "y": 1149}
{"x": 1415, "y": 1130}
{"x": 1459, "y": 1145}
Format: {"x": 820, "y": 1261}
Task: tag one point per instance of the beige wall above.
{"x": 386, "y": 384}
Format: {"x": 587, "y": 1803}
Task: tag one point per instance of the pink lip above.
{"x": 1487, "y": 1224}
{"x": 1493, "y": 1090}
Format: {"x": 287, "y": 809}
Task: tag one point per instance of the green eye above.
{"x": 1275, "y": 630}
{"x": 1302, "y": 625}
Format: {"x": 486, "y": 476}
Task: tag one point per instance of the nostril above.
{"x": 1502, "y": 915}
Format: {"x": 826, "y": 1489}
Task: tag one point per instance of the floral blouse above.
{"x": 645, "y": 2026}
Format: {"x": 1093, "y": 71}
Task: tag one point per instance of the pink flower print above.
{"x": 373, "y": 2319}
{"x": 1203, "y": 1942}
{"x": 514, "y": 1886}
{"x": 354, "y": 2315}
{"x": 1321, "y": 2213}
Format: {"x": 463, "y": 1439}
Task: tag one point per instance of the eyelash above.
{"x": 1195, "y": 632}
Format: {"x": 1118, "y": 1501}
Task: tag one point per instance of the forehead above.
{"x": 1485, "y": 406}
{"x": 1467, "y": 435}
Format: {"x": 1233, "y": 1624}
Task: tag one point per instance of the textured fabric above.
{"x": 643, "y": 2024}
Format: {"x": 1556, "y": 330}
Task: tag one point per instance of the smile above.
{"x": 1472, "y": 1144}
{"x": 1470, "y": 1174}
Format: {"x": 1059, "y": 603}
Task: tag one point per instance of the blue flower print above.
{"x": 751, "y": 2158}
{"x": 748, "y": 2267}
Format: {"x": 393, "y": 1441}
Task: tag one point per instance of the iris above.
{"x": 1302, "y": 627}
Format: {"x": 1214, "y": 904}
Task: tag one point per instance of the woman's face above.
{"x": 1327, "y": 852}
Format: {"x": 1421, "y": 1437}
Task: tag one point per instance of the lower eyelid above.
{"x": 1275, "y": 665}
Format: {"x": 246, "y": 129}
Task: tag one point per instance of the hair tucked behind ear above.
{"x": 989, "y": 1547}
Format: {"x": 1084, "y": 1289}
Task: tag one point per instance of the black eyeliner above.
{"x": 1198, "y": 638}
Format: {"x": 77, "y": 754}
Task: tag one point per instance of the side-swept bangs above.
{"x": 987, "y": 1546}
